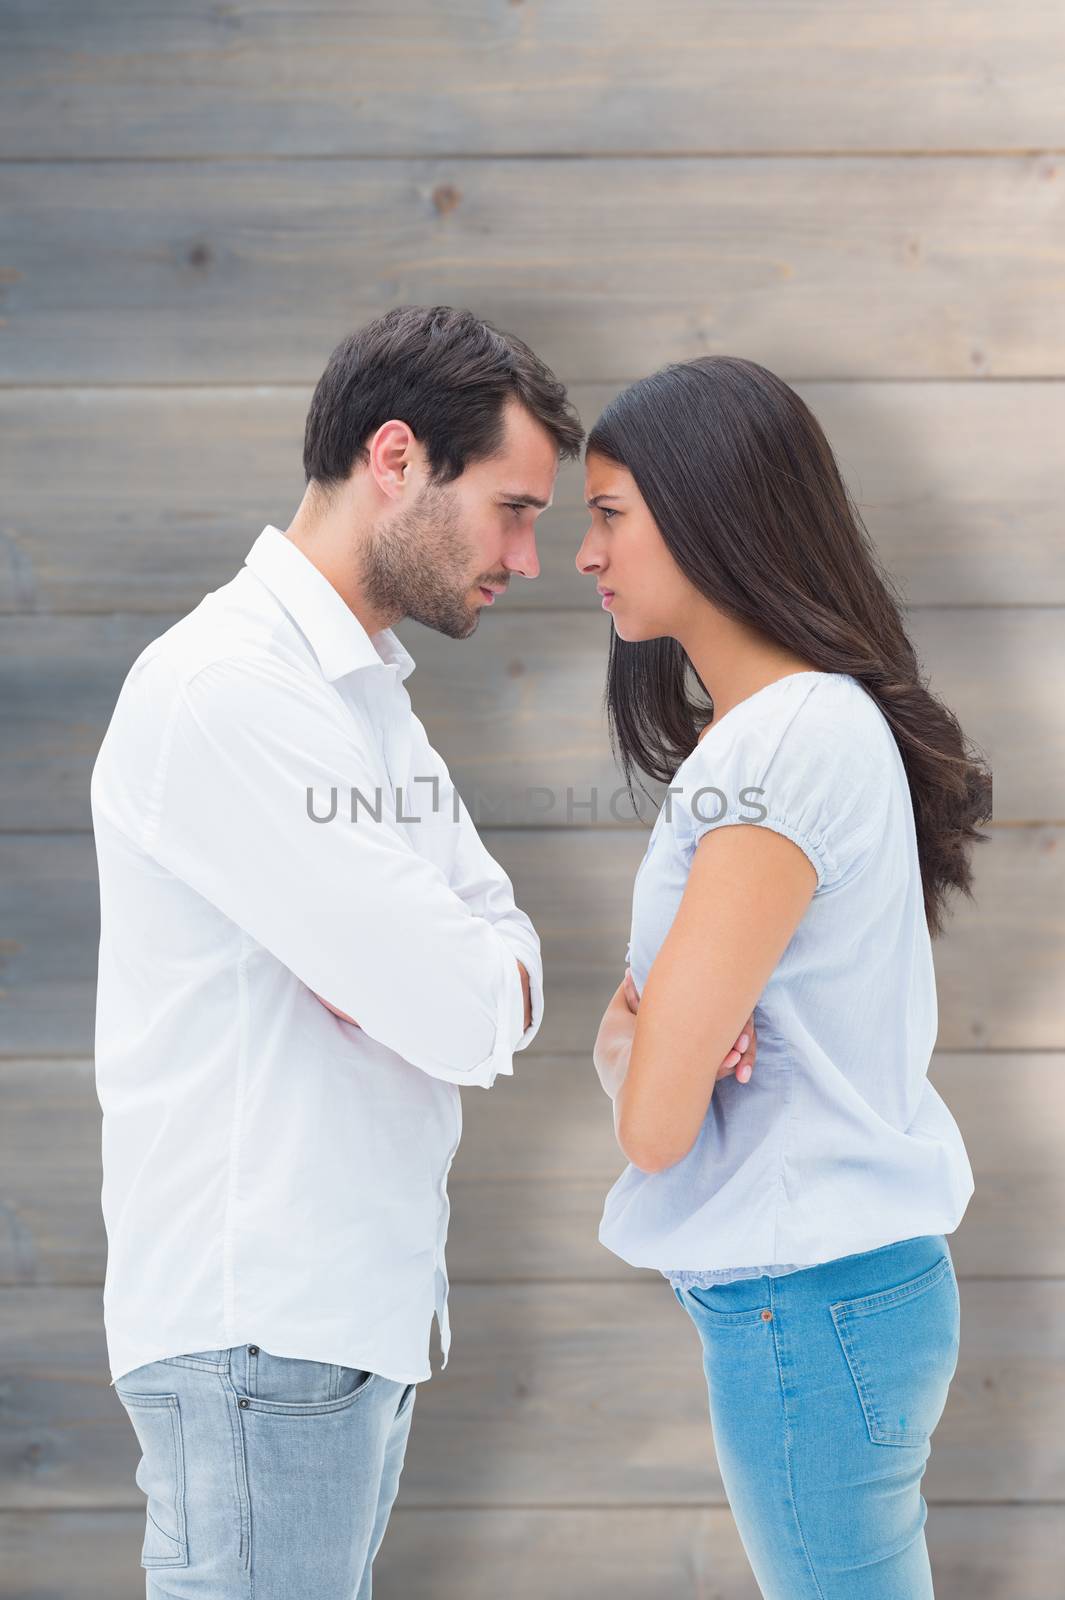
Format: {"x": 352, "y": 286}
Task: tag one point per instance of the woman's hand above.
{"x": 740, "y": 1058}
{"x": 613, "y": 1042}
{"x": 747, "y": 890}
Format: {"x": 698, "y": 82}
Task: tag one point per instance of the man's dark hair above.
{"x": 447, "y": 375}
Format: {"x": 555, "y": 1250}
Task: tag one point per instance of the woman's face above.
{"x": 647, "y": 594}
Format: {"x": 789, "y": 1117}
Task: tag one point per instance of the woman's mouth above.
{"x": 608, "y": 598}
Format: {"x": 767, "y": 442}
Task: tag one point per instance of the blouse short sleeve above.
{"x": 806, "y": 768}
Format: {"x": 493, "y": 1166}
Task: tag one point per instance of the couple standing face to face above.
{"x": 438, "y": 553}
{"x": 718, "y": 528}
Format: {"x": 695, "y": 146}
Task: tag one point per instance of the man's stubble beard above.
{"x": 416, "y": 565}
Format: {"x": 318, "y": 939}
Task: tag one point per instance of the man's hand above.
{"x": 524, "y": 989}
{"x": 526, "y": 994}
{"x": 341, "y": 1014}
{"x": 740, "y": 1058}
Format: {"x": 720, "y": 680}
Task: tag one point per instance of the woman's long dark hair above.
{"x": 743, "y": 486}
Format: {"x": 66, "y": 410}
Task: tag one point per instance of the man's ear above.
{"x": 393, "y": 450}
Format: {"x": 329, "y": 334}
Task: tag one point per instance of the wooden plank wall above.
{"x": 198, "y": 201}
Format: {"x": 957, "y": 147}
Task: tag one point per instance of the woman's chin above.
{"x": 632, "y": 632}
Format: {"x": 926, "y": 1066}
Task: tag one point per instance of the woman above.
{"x": 821, "y": 807}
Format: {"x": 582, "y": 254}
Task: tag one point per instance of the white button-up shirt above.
{"x": 272, "y": 824}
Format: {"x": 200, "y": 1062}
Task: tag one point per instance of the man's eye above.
{"x": 513, "y": 506}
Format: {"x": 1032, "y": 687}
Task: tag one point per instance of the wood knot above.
{"x": 446, "y": 197}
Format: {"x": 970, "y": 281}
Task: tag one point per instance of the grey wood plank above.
{"x": 143, "y": 499}
{"x": 121, "y": 78}
{"x": 998, "y": 965}
{"x": 50, "y": 916}
{"x": 250, "y": 271}
{"x": 535, "y": 1163}
{"x": 51, "y": 1226}
{"x": 685, "y": 1553}
{"x": 557, "y": 1394}
{"x": 517, "y": 710}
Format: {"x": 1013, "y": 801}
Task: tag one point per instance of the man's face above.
{"x": 434, "y": 560}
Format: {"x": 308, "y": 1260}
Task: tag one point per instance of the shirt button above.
{"x": 253, "y": 1349}
{"x": 767, "y": 1316}
{"x": 242, "y": 1402}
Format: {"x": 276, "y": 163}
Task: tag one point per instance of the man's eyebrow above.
{"x": 525, "y": 500}
{"x": 594, "y": 501}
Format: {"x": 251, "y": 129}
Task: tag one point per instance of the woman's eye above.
{"x": 608, "y": 512}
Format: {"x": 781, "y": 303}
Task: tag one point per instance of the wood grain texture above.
{"x": 557, "y": 1394}
{"x": 998, "y": 966}
{"x": 685, "y": 1553}
{"x": 249, "y": 272}
{"x": 196, "y": 206}
{"x": 517, "y": 712}
{"x": 122, "y": 78}
{"x": 142, "y": 500}
{"x": 536, "y": 1160}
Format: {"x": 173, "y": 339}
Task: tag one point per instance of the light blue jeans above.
{"x": 825, "y": 1388}
{"x": 266, "y": 1477}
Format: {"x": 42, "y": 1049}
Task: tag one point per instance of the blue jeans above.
{"x": 266, "y": 1477}
{"x": 825, "y": 1387}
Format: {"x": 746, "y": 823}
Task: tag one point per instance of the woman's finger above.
{"x": 728, "y": 1066}
{"x": 745, "y": 1047}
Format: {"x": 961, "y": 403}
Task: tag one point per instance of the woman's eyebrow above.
{"x": 594, "y": 501}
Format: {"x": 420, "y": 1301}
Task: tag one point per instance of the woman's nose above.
{"x": 586, "y": 562}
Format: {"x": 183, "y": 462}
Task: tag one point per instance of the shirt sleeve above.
{"x": 810, "y": 775}
{"x": 351, "y": 908}
{"x": 477, "y": 877}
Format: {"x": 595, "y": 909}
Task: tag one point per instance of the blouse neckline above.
{"x": 789, "y": 677}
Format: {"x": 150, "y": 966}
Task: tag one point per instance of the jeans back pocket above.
{"x": 901, "y": 1345}
{"x": 160, "y": 1476}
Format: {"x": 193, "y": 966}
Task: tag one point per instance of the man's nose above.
{"x": 526, "y": 561}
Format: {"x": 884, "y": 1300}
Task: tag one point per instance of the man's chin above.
{"x": 455, "y": 621}
{"x": 455, "y": 627}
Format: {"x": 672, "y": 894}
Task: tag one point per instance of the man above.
{"x": 305, "y": 951}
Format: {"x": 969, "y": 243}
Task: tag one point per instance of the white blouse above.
{"x": 838, "y": 1143}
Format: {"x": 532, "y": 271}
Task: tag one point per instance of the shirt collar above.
{"x": 337, "y": 637}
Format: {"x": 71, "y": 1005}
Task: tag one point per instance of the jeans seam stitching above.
{"x": 787, "y": 1449}
{"x": 240, "y": 1466}
{"x": 873, "y": 1423}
